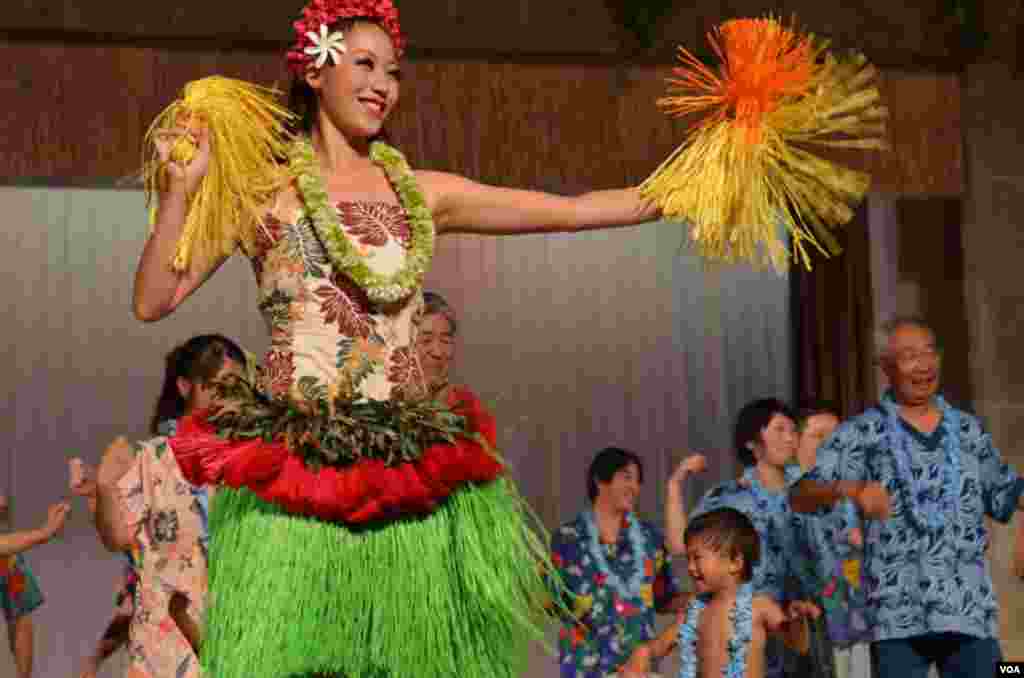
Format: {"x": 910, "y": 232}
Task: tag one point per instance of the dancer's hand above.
{"x": 56, "y": 516}
{"x": 179, "y": 175}
{"x": 873, "y": 501}
{"x": 117, "y": 459}
{"x": 695, "y": 463}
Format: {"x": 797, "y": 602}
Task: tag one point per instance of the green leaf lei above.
{"x": 381, "y": 289}
{"x": 339, "y": 433}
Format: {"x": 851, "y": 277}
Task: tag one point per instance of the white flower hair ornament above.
{"x": 326, "y": 46}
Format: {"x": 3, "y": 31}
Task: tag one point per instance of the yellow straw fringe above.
{"x": 739, "y": 195}
{"x": 248, "y": 140}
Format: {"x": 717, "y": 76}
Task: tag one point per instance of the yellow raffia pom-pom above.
{"x": 248, "y": 141}
{"x": 746, "y": 172}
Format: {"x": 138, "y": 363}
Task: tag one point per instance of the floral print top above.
{"x": 326, "y": 336}
{"x": 837, "y": 572}
{"x": 916, "y": 582}
{"x": 610, "y": 626}
{"x": 170, "y": 558}
{"x": 19, "y": 590}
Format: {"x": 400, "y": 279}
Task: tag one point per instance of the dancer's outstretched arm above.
{"x": 460, "y": 205}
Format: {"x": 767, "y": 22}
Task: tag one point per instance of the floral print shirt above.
{"x": 19, "y": 590}
{"x": 610, "y": 625}
{"x": 837, "y": 574}
{"x": 916, "y": 582}
{"x": 170, "y": 558}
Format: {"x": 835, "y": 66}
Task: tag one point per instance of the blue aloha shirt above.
{"x": 916, "y": 583}
{"x": 609, "y": 627}
{"x": 783, "y": 571}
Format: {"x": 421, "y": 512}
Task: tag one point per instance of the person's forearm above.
{"x": 156, "y": 283}
{"x": 16, "y": 542}
{"x": 675, "y": 518}
{"x": 807, "y": 496}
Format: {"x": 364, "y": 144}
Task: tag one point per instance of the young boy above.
{"x": 729, "y": 624}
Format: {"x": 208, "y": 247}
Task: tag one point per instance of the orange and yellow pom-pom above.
{"x": 744, "y": 176}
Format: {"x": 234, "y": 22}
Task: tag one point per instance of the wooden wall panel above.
{"x": 76, "y": 114}
{"x": 895, "y": 34}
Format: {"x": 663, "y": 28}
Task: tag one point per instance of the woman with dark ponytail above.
{"x": 145, "y": 508}
{"x": 192, "y": 364}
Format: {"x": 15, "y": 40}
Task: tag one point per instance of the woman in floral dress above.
{"x": 146, "y": 509}
{"x": 360, "y": 526}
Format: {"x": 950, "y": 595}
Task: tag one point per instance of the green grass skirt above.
{"x": 457, "y": 593}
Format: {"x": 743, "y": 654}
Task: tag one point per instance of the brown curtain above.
{"x": 834, "y": 324}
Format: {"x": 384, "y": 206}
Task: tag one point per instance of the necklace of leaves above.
{"x": 380, "y": 288}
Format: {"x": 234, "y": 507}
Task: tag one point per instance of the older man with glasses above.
{"x": 924, "y": 475}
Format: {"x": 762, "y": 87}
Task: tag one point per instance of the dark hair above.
{"x": 199, "y": 359}
{"x": 434, "y": 303}
{"x": 301, "y": 97}
{"x": 728, "y": 532}
{"x": 813, "y": 408}
{"x": 751, "y": 421}
{"x": 606, "y": 464}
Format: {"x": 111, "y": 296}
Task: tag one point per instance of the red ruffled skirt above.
{"x": 364, "y": 492}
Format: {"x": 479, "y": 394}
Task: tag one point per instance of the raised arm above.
{"x": 463, "y": 206}
{"x": 675, "y": 503}
{"x": 158, "y": 288}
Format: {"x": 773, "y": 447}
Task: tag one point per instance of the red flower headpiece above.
{"x": 327, "y": 12}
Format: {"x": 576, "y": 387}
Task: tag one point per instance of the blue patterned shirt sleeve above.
{"x": 1001, "y": 485}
